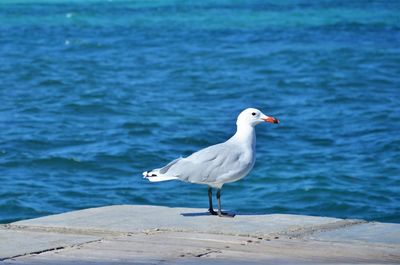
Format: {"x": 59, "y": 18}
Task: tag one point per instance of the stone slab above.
{"x": 194, "y": 248}
{"x": 127, "y": 218}
{"x": 128, "y": 234}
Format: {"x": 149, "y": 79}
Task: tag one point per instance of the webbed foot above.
{"x": 212, "y": 212}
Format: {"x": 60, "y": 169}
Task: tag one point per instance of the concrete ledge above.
{"x": 127, "y": 234}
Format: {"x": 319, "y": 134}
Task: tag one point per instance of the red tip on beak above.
{"x": 271, "y": 120}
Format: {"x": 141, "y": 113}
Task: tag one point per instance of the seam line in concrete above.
{"x": 306, "y": 231}
{"x": 295, "y": 232}
{"x": 64, "y": 230}
{"x": 49, "y": 250}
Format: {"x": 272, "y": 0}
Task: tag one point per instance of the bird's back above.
{"x": 221, "y": 163}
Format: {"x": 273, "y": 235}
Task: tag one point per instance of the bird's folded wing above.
{"x": 207, "y": 165}
{"x": 164, "y": 169}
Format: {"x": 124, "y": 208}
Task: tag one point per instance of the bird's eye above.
{"x": 254, "y": 114}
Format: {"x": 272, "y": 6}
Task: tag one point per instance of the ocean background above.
{"x": 93, "y": 93}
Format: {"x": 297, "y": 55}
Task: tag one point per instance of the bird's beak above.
{"x": 269, "y": 119}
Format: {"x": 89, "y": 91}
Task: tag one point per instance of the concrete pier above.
{"x": 127, "y": 234}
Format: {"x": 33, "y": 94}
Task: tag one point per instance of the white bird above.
{"x": 217, "y": 164}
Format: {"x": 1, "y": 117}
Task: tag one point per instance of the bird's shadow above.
{"x": 208, "y": 214}
{"x": 195, "y": 214}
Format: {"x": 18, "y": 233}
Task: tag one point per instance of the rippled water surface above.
{"x": 95, "y": 92}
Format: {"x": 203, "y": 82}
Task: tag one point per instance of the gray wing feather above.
{"x": 207, "y": 165}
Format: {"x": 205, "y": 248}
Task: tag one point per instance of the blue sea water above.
{"x": 92, "y": 93}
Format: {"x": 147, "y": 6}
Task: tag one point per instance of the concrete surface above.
{"x": 127, "y": 234}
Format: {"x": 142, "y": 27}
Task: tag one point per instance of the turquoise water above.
{"x": 95, "y": 92}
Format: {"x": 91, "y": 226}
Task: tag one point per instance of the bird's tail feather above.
{"x": 160, "y": 174}
{"x": 155, "y": 176}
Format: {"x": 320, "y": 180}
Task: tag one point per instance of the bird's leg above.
{"x": 210, "y": 209}
{"x": 220, "y": 213}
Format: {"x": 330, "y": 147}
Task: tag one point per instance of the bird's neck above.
{"x": 245, "y": 134}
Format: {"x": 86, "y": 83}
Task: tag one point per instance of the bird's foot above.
{"x": 212, "y": 212}
{"x": 225, "y": 214}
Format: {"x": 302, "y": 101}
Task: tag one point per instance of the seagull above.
{"x": 217, "y": 164}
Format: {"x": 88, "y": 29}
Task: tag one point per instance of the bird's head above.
{"x": 253, "y": 117}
